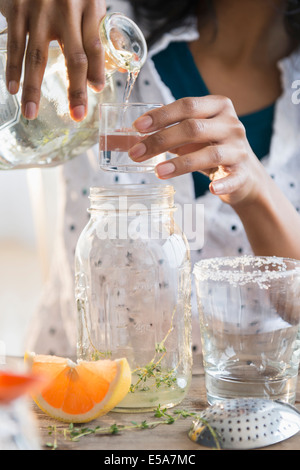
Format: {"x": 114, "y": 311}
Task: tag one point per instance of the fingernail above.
{"x": 137, "y": 151}
{"x": 96, "y": 86}
{"x": 78, "y": 113}
{"x": 218, "y": 188}
{"x": 143, "y": 123}
{"x": 165, "y": 169}
{"x": 13, "y": 87}
{"x": 30, "y": 110}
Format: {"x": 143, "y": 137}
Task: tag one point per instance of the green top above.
{"x": 177, "y": 57}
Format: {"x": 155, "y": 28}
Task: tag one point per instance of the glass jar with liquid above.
{"x": 133, "y": 287}
{"x": 54, "y": 137}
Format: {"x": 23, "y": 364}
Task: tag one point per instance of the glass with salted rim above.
{"x": 249, "y": 309}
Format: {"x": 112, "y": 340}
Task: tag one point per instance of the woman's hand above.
{"x": 207, "y": 136}
{"x": 74, "y": 24}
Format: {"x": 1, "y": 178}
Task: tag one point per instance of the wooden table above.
{"x": 173, "y": 437}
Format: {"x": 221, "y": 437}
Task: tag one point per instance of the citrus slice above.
{"x": 80, "y": 392}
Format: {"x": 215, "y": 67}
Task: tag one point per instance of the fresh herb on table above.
{"x": 162, "y": 415}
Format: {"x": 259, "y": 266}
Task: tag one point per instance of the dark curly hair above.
{"x": 160, "y": 16}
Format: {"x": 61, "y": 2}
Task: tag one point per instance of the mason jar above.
{"x": 53, "y": 137}
{"x": 133, "y": 289}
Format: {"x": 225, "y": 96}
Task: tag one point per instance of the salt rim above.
{"x": 214, "y": 269}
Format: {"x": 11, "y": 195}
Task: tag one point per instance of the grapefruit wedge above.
{"x": 82, "y": 391}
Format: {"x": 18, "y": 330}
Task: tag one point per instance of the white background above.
{"x": 28, "y": 201}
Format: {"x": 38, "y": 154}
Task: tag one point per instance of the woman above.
{"x": 225, "y": 71}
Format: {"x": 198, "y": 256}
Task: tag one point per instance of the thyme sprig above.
{"x": 163, "y": 417}
{"x": 153, "y": 369}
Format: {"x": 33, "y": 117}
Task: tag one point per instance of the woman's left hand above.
{"x": 207, "y": 136}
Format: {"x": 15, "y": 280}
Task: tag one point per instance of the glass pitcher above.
{"x": 133, "y": 288}
{"x": 54, "y": 137}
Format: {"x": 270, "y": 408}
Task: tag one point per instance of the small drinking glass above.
{"x": 249, "y": 310}
{"x": 117, "y": 136}
{"x": 18, "y": 427}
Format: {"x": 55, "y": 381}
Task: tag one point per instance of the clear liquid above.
{"x": 263, "y": 365}
{"x": 232, "y": 385}
{"x": 131, "y": 313}
{"x": 114, "y": 153}
{"x": 150, "y": 397}
{"x": 131, "y": 79}
{"x": 53, "y": 137}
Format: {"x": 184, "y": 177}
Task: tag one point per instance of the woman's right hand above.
{"x": 75, "y": 25}
{"x": 205, "y": 135}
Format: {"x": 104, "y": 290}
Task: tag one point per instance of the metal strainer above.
{"x": 245, "y": 424}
